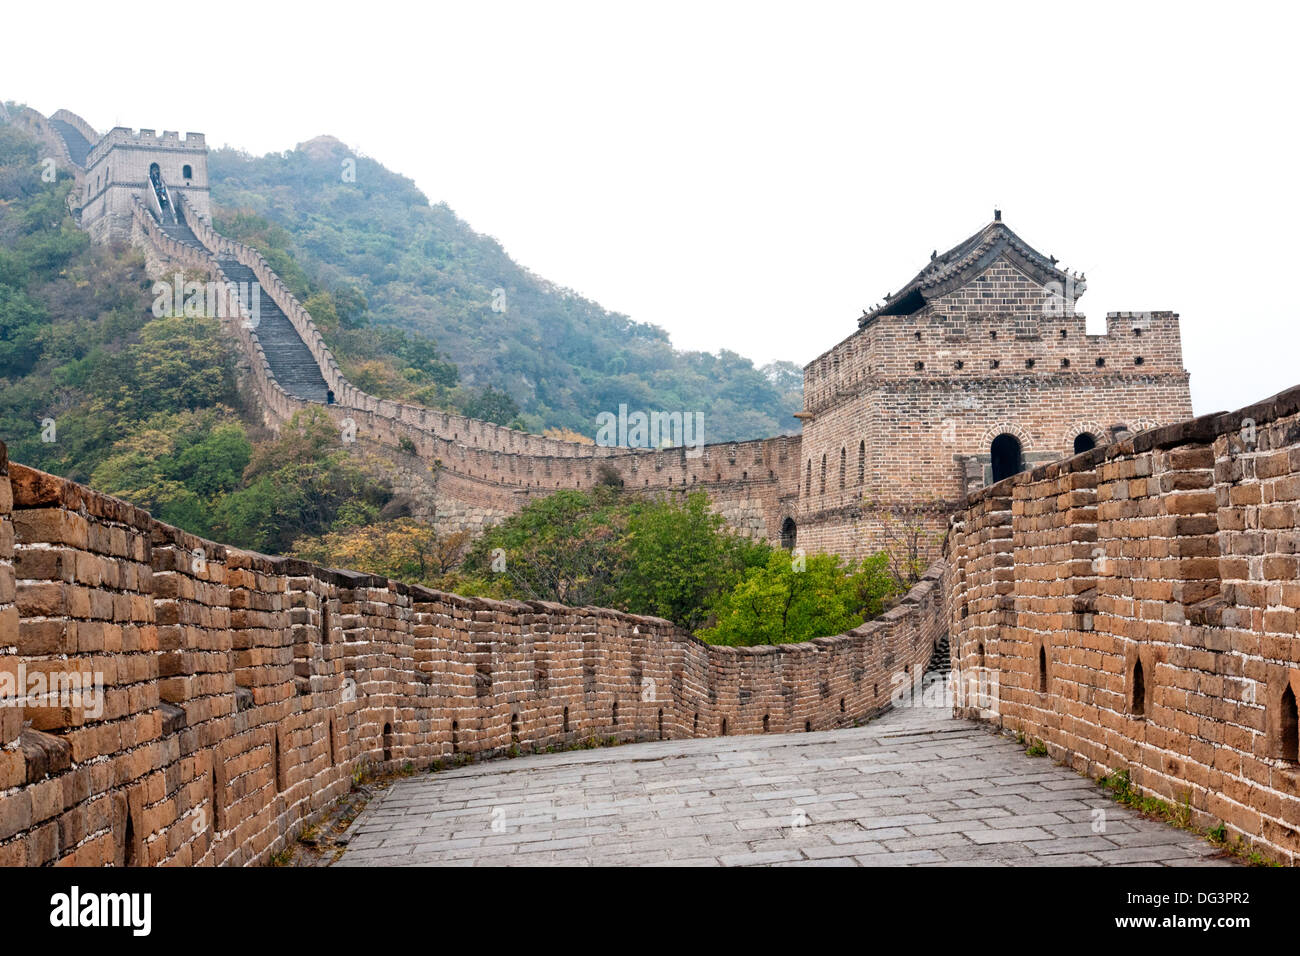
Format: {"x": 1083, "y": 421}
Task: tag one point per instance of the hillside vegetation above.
{"x": 561, "y": 359}
{"x": 95, "y": 388}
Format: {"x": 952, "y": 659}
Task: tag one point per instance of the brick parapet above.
{"x": 242, "y": 691}
{"x": 476, "y": 462}
{"x": 1135, "y": 608}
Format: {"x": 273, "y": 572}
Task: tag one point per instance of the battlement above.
{"x": 232, "y": 695}
{"x": 1134, "y": 608}
{"x": 929, "y": 346}
{"x": 985, "y": 345}
{"x": 120, "y": 137}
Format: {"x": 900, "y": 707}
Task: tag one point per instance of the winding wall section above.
{"x": 241, "y": 692}
{"x": 754, "y": 484}
{"x": 1136, "y": 608}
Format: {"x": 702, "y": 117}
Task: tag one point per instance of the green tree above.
{"x": 492, "y": 405}
{"x": 796, "y": 599}
{"x": 179, "y": 363}
{"x": 679, "y": 557}
{"x": 565, "y": 547}
{"x": 295, "y": 486}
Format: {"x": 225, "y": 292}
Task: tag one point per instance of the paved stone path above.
{"x": 914, "y": 787}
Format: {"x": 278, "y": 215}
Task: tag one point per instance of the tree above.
{"x": 909, "y": 542}
{"x": 564, "y": 547}
{"x": 789, "y": 600}
{"x": 179, "y": 363}
{"x": 680, "y": 557}
{"x": 403, "y": 549}
{"x": 666, "y": 558}
{"x": 295, "y": 486}
{"x": 351, "y": 305}
{"x": 492, "y": 405}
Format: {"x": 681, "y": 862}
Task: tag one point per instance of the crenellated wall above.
{"x": 241, "y": 692}
{"x": 117, "y": 173}
{"x": 1135, "y": 607}
{"x": 900, "y": 417}
{"x": 488, "y": 468}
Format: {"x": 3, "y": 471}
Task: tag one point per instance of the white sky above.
{"x": 751, "y": 176}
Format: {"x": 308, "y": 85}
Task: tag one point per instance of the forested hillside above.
{"x": 95, "y": 387}
{"x": 560, "y": 358}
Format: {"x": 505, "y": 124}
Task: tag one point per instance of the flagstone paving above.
{"x": 912, "y": 788}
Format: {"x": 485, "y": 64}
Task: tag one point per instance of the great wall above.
{"x": 242, "y": 691}
{"x": 1132, "y": 605}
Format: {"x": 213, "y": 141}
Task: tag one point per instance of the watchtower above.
{"x": 157, "y": 168}
{"x": 978, "y": 368}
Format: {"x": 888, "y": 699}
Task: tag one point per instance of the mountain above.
{"x": 561, "y": 358}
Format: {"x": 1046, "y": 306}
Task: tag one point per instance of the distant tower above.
{"x": 123, "y": 164}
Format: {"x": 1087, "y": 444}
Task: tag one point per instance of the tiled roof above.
{"x": 962, "y": 263}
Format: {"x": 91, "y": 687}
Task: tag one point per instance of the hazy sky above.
{"x": 751, "y": 176}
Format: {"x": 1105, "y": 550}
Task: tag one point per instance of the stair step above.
{"x": 291, "y": 361}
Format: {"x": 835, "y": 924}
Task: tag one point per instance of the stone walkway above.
{"x": 913, "y": 788}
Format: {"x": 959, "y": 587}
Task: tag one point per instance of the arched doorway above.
{"x": 788, "y": 534}
{"x": 1005, "y": 452}
{"x": 1084, "y": 441}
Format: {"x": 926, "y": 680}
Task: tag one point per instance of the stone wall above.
{"x": 51, "y": 144}
{"x": 117, "y": 172}
{"x": 901, "y": 415}
{"x": 481, "y": 469}
{"x": 1135, "y": 608}
{"x": 241, "y": 692}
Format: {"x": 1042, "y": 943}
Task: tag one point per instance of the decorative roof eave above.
{"x": 964, "y": 262}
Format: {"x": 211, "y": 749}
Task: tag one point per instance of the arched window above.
{"x": 1289, "y": 726}
{"x": 186, "y": 172}
{"x": 823, "y": 485}
{"x": 788, "y": 533}
{"x": 1005, "y": 451}
{"x": 807, "y": 485}
{"x": 843, "y": 459}
{"x": 1084, "y": 441}
{"x": 277, "y": 765}
{"x": 1042, "y": 670}
{"x": 128, "y": 842}
{"x": 862, "y": 461}
{"x": 1138, "y": 705}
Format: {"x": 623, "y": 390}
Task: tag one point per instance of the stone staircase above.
{"x": 941, "y": 659}
{"x": 182, "y": 234}
{"x": 78, "y": 147}
{"x": 291, "y": 361}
